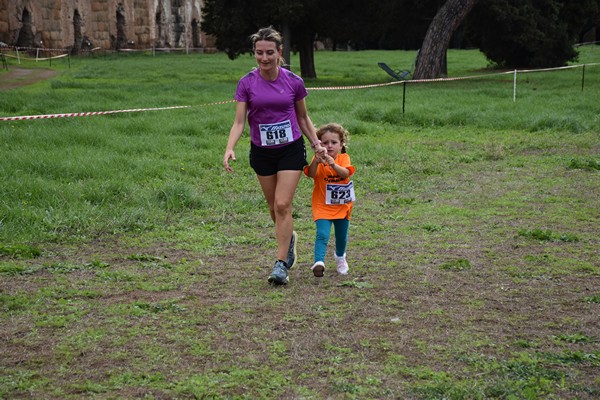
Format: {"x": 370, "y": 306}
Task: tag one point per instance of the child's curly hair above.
{"x": 337, "y": 129}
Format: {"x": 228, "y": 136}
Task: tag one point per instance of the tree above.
{"x": 530, "y": 33}
{"x": 431, "y": 61}
{"x": 389, "y": 24}
{"x": 402, "y": 24}
{"x": 510, "y": 32}
{"x": 233, "y": 21}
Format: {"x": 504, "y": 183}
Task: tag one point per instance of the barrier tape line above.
{"x": 36, "y": 59}
{"x": 406, "y": 81}
{"x": 31, "y": 48}
{"x": 87, "y": 114}
{"x": 92, "y": 113}
{"x": 460, "y": 78}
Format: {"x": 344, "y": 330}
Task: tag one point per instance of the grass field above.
{"x": 133, "y": 266}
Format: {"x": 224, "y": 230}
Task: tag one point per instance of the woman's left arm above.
{"x": 307, "y": 127}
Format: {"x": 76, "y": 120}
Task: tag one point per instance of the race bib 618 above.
{"x": 274, "y": 134}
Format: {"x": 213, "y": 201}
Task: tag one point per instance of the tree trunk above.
{"x": 431, "y": 62}
{"x": 287, "y": 44}
{"x": 307, "y": 55}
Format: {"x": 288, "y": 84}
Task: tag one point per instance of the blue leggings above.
{"x": 324, "y": 230}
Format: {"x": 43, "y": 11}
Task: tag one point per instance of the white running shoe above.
{"x": 342, "y": 264}
{"x": 318, "y": 269}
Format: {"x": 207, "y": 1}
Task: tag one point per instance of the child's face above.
{"x": 332, "y": 143}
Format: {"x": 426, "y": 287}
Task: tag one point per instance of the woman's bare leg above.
{"x": 279, "y": 192}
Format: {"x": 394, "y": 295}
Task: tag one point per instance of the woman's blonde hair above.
{"x": 271, "y": 35}
{"x": 338, "y": 130}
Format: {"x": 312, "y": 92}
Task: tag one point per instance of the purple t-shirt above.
{"x": 271, "y": 107}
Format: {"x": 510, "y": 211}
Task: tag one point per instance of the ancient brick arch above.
{"x": 106, "y": 24}
{"x": 77, "y": 35}
{"x": 25, "y": 37}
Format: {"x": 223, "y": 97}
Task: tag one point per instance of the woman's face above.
{"x": 267, "y": 55}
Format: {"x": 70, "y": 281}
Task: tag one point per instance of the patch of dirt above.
{"x": 515, "y": 319}
{"x": 18, "y": 77}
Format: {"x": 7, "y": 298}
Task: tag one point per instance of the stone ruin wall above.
{"x": 105, "y": 24}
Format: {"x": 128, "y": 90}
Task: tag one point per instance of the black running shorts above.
{"x": 265, "y": 161}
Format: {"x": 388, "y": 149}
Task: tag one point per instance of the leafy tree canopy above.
{"x": 511, "y": 33}
{"x": 529, "y": 33}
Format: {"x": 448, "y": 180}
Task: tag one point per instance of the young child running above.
{"x": 332, "y": 197}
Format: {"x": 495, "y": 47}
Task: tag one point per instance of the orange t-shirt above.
{"x": 325, "y": 175}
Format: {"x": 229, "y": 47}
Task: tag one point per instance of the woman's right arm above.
{"x": 235, "y": 133}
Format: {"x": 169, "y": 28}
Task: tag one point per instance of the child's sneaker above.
{"x": 342, "y": 264}
{"x": 318, "y": 269}
{"x": 279, "y": 276}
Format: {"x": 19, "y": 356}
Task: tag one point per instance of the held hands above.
{"x": 229, "y": 155}
{"x": 325, "y": 159}
{"x": 321, "y": 153}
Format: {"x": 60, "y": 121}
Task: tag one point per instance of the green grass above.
{"x": 132, "y": 265}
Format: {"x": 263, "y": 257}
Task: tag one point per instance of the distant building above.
{"x": 82, "y": 24}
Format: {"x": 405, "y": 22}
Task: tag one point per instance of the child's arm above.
{"x": 341, "y": 171}
{"x": 312, "y": 167}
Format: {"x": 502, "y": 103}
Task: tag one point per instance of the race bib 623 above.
{"x": 339, "y": 194}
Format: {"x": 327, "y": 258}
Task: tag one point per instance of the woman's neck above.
{"x": 270, "y": 75}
